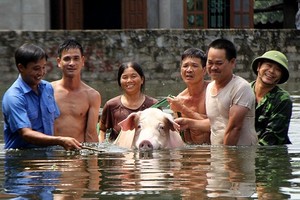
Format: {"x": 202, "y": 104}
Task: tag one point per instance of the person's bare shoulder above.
{"x": 95, "y": 93}
{"x": 92, "y": 92}
{"x": 88, "y": 88}
{"x": 183, "y": 93}
{"x": 55, "y": 83}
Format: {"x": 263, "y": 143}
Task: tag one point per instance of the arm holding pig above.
{"x": 202, "y": 125}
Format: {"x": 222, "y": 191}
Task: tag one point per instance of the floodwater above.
{"x": 191, "y": 172}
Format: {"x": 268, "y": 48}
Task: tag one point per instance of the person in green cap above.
{"x": 273, "y": 104}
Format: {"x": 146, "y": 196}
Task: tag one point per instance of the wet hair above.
{"x": 29, "y": 53}
{"x": 195, "y": 53}
{"x": 225, "y": 44}
{"x": 70, "y": 43}
{"x": 136, "y": 67}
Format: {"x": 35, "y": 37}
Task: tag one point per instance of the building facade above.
{"x": 146, "y": 14}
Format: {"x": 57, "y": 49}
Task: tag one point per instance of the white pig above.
{"x": 149, "y": 129}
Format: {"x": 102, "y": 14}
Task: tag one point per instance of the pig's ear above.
{"x": 175, "y": 138}
{"x": 175, "y": 126}
{"x": 128, "y": 123}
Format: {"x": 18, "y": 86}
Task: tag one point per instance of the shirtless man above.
{"x": 191, "y": 101}
{"x": 78, "y": 103}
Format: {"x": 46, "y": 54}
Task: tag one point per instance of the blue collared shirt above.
{"x": 23, "y": 108}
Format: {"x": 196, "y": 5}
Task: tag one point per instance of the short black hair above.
{"x": 69, "y": 43}
{"x": 29, "y": 53}
{"x": 195, "y": 53}
{"x": 225, "y": 44}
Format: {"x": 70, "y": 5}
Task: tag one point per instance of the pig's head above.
{"x": 154, "y": 129}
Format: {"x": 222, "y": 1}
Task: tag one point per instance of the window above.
{"x": 242, "y": 13}
{"x": 195, "y": 13}
{"x": 218, "y": 13}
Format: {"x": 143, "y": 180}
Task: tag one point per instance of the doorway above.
{"x": 95, "y": 14}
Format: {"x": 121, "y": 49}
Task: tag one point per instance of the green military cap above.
{"x": 277, "y": 57}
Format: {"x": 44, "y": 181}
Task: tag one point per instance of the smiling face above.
{"x": 71, "y": 62}
{"x": 269, "y": 73}
{"x": 131, "y": 82}
{"x": 33, "y": 73}
{"x": 192, "y": 70}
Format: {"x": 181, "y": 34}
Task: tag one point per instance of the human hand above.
{"x": 175, "y": 104}
{"x": 183, "y": 123}
{"x": 70, "y": 143}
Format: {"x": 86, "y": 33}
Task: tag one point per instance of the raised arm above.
{"x": 177, "y": 105}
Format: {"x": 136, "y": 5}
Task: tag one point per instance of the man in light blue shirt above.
{"x": 28, "y": 106}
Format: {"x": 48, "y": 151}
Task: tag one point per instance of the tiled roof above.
{"x": 268, "y": 11}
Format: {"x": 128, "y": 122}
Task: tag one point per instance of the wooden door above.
{"x": 66, "y": 14}
{"x": 69, "y": 14}
{"x": 134, "y": 14}
{"x": 74, "y": 14}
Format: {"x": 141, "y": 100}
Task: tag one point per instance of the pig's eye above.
{"x": 161, "y": 127}
{"x": 139, "y": 126}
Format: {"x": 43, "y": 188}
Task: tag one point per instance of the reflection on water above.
{"x": 232, "y": 172}
{"x": 192, "y": 172}
{"x": 273, "y": 173}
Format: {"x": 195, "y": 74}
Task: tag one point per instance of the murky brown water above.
{"x": 192, "y": 172}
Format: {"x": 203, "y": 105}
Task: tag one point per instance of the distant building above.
{"x": 276, "y": 14}
{"x": 149, "y": 14}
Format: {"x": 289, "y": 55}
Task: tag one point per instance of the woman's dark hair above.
{"x": 29, "y": 53}
{"x": 136, "y": 67}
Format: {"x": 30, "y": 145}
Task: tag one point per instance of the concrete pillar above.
{"x": 25, "y": 15}
{"x": 10, "y": 14}
{"x": 297, "y": 17}
{"x": 152, "y": 14}
{"x": 165, "y": 13}
{"x": 36, "y": 14}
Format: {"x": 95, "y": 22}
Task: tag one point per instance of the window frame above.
{"x": 233, "y": 13}
{"x": 195, "y": 12}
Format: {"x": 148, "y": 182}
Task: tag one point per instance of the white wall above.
{"x": 24, "y": 14}
{"x": 165, "y": 13}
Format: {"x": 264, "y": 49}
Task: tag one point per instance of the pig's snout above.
{"x": 145, "y": 145}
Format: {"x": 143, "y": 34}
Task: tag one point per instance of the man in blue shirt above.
{"x": 28, "y": 106}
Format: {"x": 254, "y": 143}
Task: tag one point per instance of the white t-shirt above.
{"x": 237, "y": 92}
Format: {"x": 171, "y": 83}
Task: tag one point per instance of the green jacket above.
{"x": 272, "y": 117}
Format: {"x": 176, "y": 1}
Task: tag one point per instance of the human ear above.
{"x": 20, "y": 67}
{"x": 58, "y": 60}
